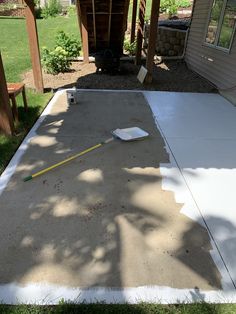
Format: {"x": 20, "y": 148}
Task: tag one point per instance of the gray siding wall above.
{"x": 217, "y": 66}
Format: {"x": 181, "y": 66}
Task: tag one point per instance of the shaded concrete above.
{"x": 102, "y": 220}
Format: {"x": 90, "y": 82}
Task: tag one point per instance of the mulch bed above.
{"x": 168, "y": 76}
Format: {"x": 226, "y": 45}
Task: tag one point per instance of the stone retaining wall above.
{"x": 12, "y": 12}
{"x": 170, "y": 42}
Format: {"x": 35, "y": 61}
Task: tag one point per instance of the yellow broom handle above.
{"x": 66, "y": 160}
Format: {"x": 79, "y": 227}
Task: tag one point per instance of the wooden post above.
{"x": 82, "y": 17}
{"x": 94, "y": 24}
{"x": 78, "y": 16}
{"x": 6, "y": 118}
{"x": 152, "y": 39}
{"x": 142, "y": 9}
{"x": 34, "y": 45}
{"x": 109, "y": 23}
{"x": 133, "y": 25}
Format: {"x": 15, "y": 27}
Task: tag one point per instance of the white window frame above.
{"x": 215, "y": 46}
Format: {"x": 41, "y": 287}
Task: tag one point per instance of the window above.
{"x": 221, "y": 25}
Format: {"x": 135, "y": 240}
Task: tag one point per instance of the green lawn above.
{"x": 14, "y": 41}
{"x": 16, "y": 59}
{"x": 202, "y": 308}
{"x": 9, "y": 144}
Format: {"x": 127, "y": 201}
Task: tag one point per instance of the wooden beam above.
{"x": 133, "y": 24}
{"x": 82, "y": 16}
{"x": 109, "y": 22}
{"x": 142, "y": 9}
{"x": 78, "y": 16}
{"x": 34, "y": 45}
{"x": 152, "y": 39}
{"x": 106, "y": 13}
{"x": 6, "y": 118}
{"x": 94, "y": 25}
{"x": 126, "y": 9}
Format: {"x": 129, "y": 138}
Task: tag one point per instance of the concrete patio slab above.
{"x": 193, "y": 115}
{"x": 201, "y": 133}
{"x": 120, "y": 224}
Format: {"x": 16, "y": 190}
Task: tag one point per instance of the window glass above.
{"x": 228, "y": 25}
{"x": 214, "y": 21}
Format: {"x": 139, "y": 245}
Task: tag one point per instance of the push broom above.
{"x": 129, "y": 134}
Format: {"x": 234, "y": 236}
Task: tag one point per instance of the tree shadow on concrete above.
{"x": 103, "y": 220}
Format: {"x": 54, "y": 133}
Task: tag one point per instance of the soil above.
{"x": 167, "y": 76}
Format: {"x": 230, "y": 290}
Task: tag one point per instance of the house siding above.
{"x": 217, "y": 66}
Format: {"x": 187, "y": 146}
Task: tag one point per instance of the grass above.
{"x": 16, "y": 60}
{"x": 143, "y": 308}
{"x": 181, "y": 3}
{"x": 15, "y": 46}
{"x": 9, "y": 144}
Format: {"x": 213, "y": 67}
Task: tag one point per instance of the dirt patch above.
{"x": 168, "y": 76}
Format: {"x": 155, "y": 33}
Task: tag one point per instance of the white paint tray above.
{"x": 130, "y": 134}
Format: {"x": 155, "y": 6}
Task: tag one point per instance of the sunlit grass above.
{"x": 16, "y": 60}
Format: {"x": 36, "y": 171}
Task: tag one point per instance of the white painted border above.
{"x": 44, "y": 293}
{"x": 8, "y": 172}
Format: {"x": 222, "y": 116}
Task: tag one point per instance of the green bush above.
{"x": 71, "y": 45}
{"x": 71, "y": 10}
{"x": 56, "y": 60}
{"x": 183, "y": 3}
{"x": 130, "y": 47}
{"x": 164, "y": 5}
{"x": 171, "y": 6}
{"x": 52, "y": 8}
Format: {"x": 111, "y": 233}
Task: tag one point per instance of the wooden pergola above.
{"x": 6, "y": 118}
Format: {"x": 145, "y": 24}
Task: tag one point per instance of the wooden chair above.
{"x": 15, "y": 89}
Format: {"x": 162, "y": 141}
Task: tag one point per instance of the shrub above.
{"x": 51, "y": 9}
{"x": 71, "y": 10}
{"x": 171, "y": 6}
{"x": 70, "y": 44}
{"x": 56, "y": 60}
{"x": 183, "y": 3}
{"x": 164, "y": 5}
{"x": 130, "y": 47}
